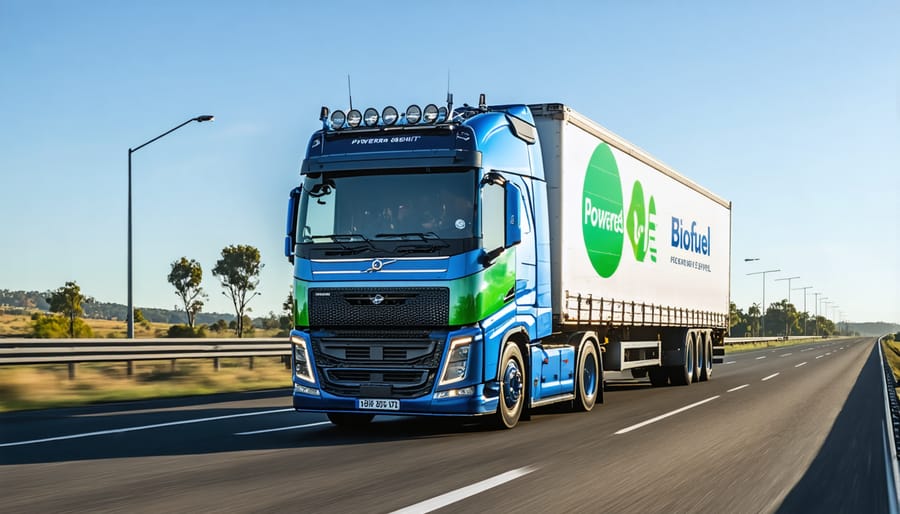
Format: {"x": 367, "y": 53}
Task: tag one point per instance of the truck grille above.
{"x": 385, "y": 307}
{"x": 360, "y": 365}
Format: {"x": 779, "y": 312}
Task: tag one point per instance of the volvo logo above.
{"x": 377, "y": 299}
{"x": 377, "y": 264}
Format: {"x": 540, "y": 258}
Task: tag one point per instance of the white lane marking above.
{"x": 731, "y": 362}
{"x": 738, "y": 388}
{"x": 807, "y": 350}
{"x": 827, "y": 354}
{"x": 279, "y": 429}
{"x": 763, "y": 357}
{"x": 819, "y": 356}
{"x": 143, "y": 427}
{"x": 801, "y": 364}
{"x": 664, "y": 416}
{"x": 773, "y": 375}
{"x": 461, "y": 494}
{"x": 786, "y": 354}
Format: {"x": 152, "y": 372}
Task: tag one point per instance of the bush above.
{"x": 176, "y": 331}
{"x": 50, "y": 326}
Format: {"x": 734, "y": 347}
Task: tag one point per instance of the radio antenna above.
{"x": 349, "y": 92}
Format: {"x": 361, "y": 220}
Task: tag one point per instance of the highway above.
{"x": 796, "y": 429}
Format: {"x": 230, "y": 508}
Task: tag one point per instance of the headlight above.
{"x": 302, "y": 362}
{"x": 370, "y": 117}
{"x": 413, "y": 114}
{"x": 354, "y": 118}
{"x": 337, "y": 119}
{"x": 389, "y": 115}
{"x": 430, "y": 113}
{"x": 457, "y": 360}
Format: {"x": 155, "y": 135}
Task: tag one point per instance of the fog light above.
{"x": 302, "y": 389}
{"x": 455, "y": 393}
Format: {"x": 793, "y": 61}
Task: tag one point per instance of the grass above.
{"x": 46, "y": 386}
{"x": 891, "y": 349}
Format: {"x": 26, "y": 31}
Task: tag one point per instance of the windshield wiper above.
{"x": 341, "y": 239}
{"x": 425, "y": 237}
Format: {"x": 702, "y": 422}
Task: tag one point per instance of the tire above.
{"x": 659, "y": 377}
{"x": 682, "y": 375}
{"x": 589, "y": 378}
{"x": 347, "y": 420}
{"x": 512, "y": 387}
{"x": 707, "y": 363}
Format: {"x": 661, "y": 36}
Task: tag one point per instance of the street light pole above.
{"x": 764, "y": 273}
{"x": 130, "y": 313}
{"x": 804, "y": 305}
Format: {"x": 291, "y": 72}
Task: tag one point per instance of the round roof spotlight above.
{"x": 390, "y": 115}
{"x": 370, "y": 117}
{"x": 413, "y": 114}
{"x": 354, "y": 118}
{"x": 338, "y": 118}
{"x": 431, "y": 113}
{"x": 442, "y": 114}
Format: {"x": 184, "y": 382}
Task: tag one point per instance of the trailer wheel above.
{"x": 683, "y": 374}
{"x": 347, "y": 420}
{"x": 659, "y": 376}
{"x": 706, "y": 363}
{"x": 589, "y": 379}
{"x": 512, "y": 387}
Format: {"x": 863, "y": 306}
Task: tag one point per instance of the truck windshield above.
{"x": 415, "y": 211}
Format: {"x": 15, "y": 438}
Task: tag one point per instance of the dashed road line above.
{"x": 666, "y": 415}
{"x": 280, "y": 429}
{"x": 786, "y": 354}
{"x": 738, "y": 388}
{"x": 731, "y": 362}
{"x": 760, "y": 358}
{"x": 819, "y": 356}
{"x": 801, "y": 364}
{"x": 143, "y": 427}
{"x": 773, "y": 375}
{"x": 443, "y": 500}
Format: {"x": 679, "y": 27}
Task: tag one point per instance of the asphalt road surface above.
{"x": 798, "y": 429}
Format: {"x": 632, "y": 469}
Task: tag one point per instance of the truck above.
{"x": 489, "y": 260}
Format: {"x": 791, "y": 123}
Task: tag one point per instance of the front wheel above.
{"x": 512, "y": 387}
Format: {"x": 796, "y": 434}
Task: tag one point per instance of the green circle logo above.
{"x": 602, "y": 212}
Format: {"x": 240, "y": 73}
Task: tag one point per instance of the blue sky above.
{"x": 791, "y": 110}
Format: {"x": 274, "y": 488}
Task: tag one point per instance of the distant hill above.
{"x": 104, "y": 310}
{"x": 878, "y": 328}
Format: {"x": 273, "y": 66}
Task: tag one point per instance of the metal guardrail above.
{"x": 891, "y": 428}
{"x": 74, "y": 351}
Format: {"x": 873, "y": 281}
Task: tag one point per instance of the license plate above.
{"x": 378, "y": 404}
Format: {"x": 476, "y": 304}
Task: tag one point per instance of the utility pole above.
{"x": 804, "y": 305}
{"x": 764, "y": 273}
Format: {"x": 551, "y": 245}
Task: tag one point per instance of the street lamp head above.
{"x": 205, "y": 117}
{"x": 751, "y": 259}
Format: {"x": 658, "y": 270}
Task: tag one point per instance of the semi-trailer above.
{"x": 489, "y": 260}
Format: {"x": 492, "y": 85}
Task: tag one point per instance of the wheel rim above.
{"x": 589, "y": 376}
{"x": 512, "y": 384}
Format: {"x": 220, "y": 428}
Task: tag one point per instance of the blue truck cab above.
{"x": 422, "y": 275}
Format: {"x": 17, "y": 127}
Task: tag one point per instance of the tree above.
{"x": 67, "y": 300}
{"x": 753, "y": 314}
{"x": 185, "y": 277}
{"x": 238, "y": 271}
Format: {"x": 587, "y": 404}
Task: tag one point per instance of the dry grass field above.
{"x": 45, "y": 386}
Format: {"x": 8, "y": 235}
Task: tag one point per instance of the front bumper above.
{"x": 484, "y": 401}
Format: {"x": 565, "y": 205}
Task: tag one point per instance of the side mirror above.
{"x": 291, "y": 225}
{"x": 513, "y": 227}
